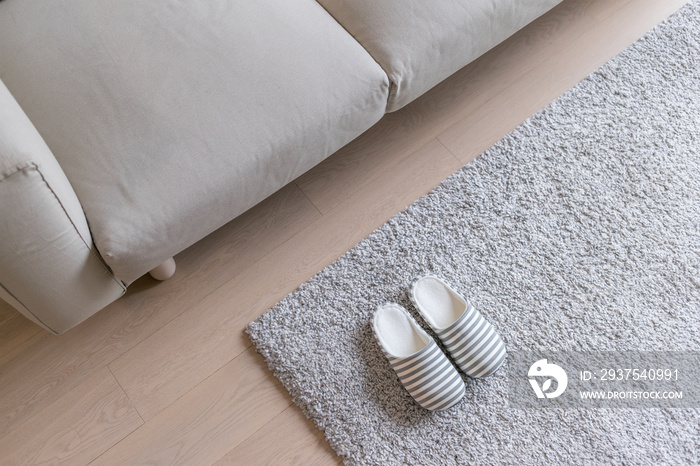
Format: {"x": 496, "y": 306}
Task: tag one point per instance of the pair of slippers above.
{"x": 420, "y": 364}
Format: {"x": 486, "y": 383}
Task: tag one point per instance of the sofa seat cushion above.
{"x": 170, "y": 118}
{"x": 419, "y": 43}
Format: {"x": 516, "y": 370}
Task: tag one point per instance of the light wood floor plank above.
{"x": 289, "y": 438}
{"x": 75, "y": 429}
{"x": 15, "y": 329}
{"x": 601, "y": 10}
{"x": 210, "y": 420}
{"x": 197, "y": 343}
{"x": 23, "y": 348}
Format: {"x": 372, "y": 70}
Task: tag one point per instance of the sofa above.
{"x": 131, "y": 130}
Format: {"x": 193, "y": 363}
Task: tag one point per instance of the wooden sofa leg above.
{"x": 164, "y": 270}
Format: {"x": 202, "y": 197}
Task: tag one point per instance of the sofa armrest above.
{"x": 50, "y": 270}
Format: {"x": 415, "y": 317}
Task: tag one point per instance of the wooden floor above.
{"x": 166, "y": 375}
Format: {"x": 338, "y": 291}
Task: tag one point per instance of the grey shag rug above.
{"x": 580, "y": 230}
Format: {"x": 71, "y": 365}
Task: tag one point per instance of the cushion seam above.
{"x": 5, "y": 174}
{"x": 391, "y": 94}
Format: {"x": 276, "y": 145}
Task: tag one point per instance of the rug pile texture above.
{"x": 580, "y": 230}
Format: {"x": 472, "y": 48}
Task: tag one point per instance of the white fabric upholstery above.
{"x": 49, "y": 269}
{"x": 171, "y": 118}
{"x": 419, "y": 42}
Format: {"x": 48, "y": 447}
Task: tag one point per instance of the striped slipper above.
{"x": 422, "y": 367}
{"x": 472, "y": 342}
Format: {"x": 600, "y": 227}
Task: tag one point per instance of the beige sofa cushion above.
{"x": 170, "y": 118}
{"x": 421, "y": 42}
{"x": 49, "y": 269}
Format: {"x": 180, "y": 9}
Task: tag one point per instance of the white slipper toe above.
{"x": 421, "y": 366}
{"x": 472, "y": 342}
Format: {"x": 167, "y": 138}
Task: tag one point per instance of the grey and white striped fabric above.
{"x": 427, "y": 374}
{"x": 429, "y": 377}
{"x": 474, "y": 344}
{"x": 470, "y": 340}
